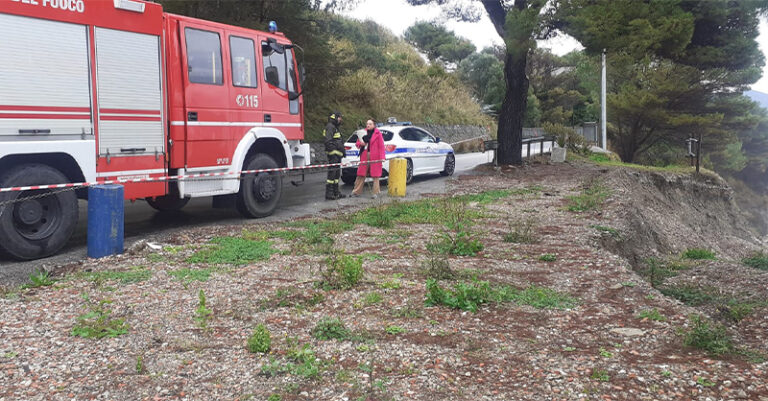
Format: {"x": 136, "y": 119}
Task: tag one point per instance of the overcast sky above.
{"x": 397, "y": 15}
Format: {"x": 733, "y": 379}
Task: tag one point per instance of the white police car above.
{"x": 425, "y": 153}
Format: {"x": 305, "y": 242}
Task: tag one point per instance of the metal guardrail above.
{"x": 494, "y": 144}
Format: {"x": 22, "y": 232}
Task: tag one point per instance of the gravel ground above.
{"x": 598, "y": 349}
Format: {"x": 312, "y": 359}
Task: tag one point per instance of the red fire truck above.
{"x": 96, "y": 90}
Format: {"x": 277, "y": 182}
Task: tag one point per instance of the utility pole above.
{"x": 603, "y": 108}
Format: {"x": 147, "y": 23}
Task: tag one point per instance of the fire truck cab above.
{"x": 94, "y": 90}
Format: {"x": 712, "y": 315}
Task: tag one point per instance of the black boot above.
{"x": 339, "y": 195}
{"x": 330, "y": 194}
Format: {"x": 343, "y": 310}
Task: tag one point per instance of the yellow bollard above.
{"x": 397, "y": 171}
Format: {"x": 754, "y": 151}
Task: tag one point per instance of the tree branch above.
{"x": 497, "y": 14}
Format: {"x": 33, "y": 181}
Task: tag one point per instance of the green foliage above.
{"x": 96, "y": 323}
{"x": 710, "y": 337}
{"x": 301, "y": 361}
{"x": 331, "y": 329}
{"x": 137, "y": 274}
{"x": 608, "y": 230}
{"x": 652, "y": 314}
{"x": 548, "y": 257}
{"x": 698, "y": 254}
{"x": 234, "y": 251}
{"x": 605, "y": 353}
{"x": 140, "y": 368}
{"x": 459, "y": 244}
{"x": 202, "y": 313}
{"x": 600, "y": 375}
{"x": 260, "y": 340}
{"x": 758, "y": 260}
{"x": 41, "y": 278}
{"x": 274, "y": 397}
{"x": 593, "y": 195}
{"x": 342, "y": 272}
{"x": 737, "y": 311}
{"x": 436, "y": 266}
{"x": 470, "y": 296}
{"x": 395, "y": 330}
{"x": 438, "y": 43}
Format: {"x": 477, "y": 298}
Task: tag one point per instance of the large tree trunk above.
{"x": 510, "y": 133}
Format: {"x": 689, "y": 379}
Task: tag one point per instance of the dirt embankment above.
{"x": 662, "y": 214}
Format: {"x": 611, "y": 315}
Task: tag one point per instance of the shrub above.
{"x": 260, "y": 340}
{"x": 342, "y": 272}
{"x": 548, "y": 257}
{"x": 41, "y": 278}
{"x": 330, "y": 329}
{"x": 758, "y": 260}
{"x": 698, "y": 254}
{"x": 652, "y": 314}
{"x": 436, "y": 266}
{"x": 96, "y": 323}
{"x": 689, "y": 295}
{"x": 712, "y": 338}
{"x": 470, "y": 296}
{"x": 202, "y": 313}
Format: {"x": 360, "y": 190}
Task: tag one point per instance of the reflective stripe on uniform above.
{"x": 337, "y": 135}
{"x": 331, "y": 181}
{"x": 335, "y": 153}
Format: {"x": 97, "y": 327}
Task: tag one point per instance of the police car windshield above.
{"x": 387, "y": 135}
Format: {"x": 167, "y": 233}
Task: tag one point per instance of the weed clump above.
{"x": 260, "y": 340}
{"x": 342, "y": 272}
{"x": 710, "y": 337}
{"x": 96, "y": 323}
{"x": 331, "y": 329}
{"x": 522, "y": 232}
{"x": 698, "y": 254}
{"x": 758, "y": 260}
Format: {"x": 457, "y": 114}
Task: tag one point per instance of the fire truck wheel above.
{"x": 168, "y": 203}
{"x": 259, "y": 193}
{"x": 33, "y": 227}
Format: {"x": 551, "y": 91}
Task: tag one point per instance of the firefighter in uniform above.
{"x": 334, "y": 148}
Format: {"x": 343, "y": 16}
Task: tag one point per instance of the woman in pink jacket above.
{"x": 372, "y": 148}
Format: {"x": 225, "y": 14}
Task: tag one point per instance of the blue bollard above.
{"x": 105, "y": 220}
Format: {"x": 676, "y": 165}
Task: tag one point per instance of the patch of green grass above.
{"x": 757, "y": 260}
{"x": 698, "y": 254}
{"x": 600, "y": 375}
{"x": 342, "y": 272}
{"x": 710, "y": 337}
{"x": 470, "y": 296}
{"x": 373, "y": 298}
{"x": 427, "y": 211}
{"x": 593, "y": 195}
{"x": 605, "y": 353}
{"x": 40, "y": 278}
{"x": 260, "y": 340}
{"x": 394, "y": 330}
{"x": 548, "y": 257}
{"x": 652, "y": 314}
{"x": 233, "y": 251}
{"x": 331, "y": 329}
{"x": 202, "y": 313}
{"x": 657, "y": 271}
{"x": 97, "y": 323}
{"x": 136, "y": 274}
{"x": 689, "y": 294}
{"x": 736, "y": 311}
{"x": 702, "y": 381}
{"x": 187, "y": 275}
{"x": 275, "y": 397}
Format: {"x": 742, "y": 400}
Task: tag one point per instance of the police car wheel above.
{"x": 348, "y": 179}
{"x": 259, "y": 193}
{"x": 36, "y": 227}
{"x": 409, "y": 172}
{"x": 450, "y": 165}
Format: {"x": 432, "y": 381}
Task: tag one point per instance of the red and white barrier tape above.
{"x": 182, "y": 177}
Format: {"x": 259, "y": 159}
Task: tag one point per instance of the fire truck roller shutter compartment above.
{"x": 44, "y": 78}
{"x": 130, "y": 93}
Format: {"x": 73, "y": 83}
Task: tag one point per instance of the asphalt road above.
{"x": 143, "y": 222}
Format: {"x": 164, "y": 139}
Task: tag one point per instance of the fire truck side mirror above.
{"x": 276, "y": 47}
{"x": 302, "y": 74}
